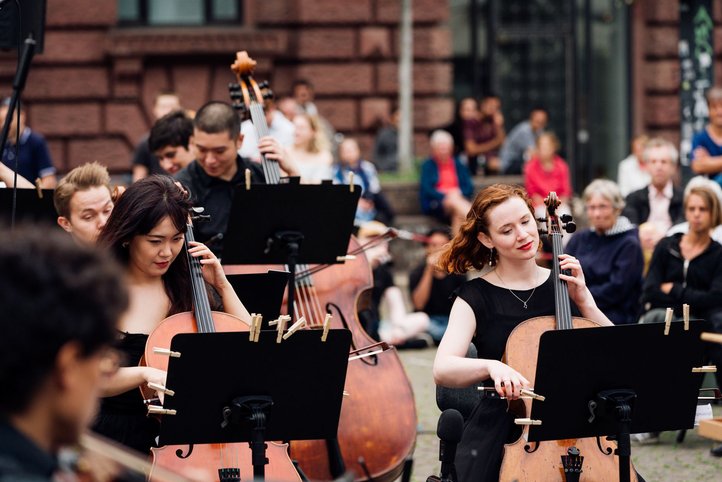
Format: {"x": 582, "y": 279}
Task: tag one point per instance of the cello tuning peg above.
{"x": 570, "y": 227}
{"x": 565, "y": 218}
{"x": 541, "y": 220}
{"x": 235, "y": 94}
{"x": 263, "y": 85}
{"x": 543, "y": 232}
{"x": 268, "y": 94}
{"x": 233, "y": 87}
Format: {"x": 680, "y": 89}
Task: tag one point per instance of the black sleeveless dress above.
{"x": 123, "y": 417}
{"x": 489, "y": 426}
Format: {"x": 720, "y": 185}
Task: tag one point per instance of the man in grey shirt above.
{"x": 520, "y": 141}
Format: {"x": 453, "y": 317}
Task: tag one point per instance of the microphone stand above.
{"x": 21, "y": 76}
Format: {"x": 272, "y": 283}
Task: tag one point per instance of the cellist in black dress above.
{"x": 499, "y": 232}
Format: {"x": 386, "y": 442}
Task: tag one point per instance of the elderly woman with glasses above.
{"x": 610, "y": 253}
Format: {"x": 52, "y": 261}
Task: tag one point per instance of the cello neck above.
{"x": 201, "y": 305}
{"x": 258, "y": 117}
{"x": 562, "y": 306}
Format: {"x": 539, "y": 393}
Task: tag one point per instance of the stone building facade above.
{"x": 90, "y": 92}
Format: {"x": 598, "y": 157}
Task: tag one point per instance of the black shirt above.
{"x": 21, "y": 460}
{"x": 143, "y": 157}
{"x": 439, "y": 302}
{"x": 216, "y": 196}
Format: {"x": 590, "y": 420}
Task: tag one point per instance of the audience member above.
{"x": 431, "y": 287}
{"x": 546, "y": 172}
{"x": 707, "y": 145}
{"x": 493, "y": 133}
{"x": 304, "y": 95}
{"x": 60, "y": 306}
{"x": 632, "y": 174}
{"x": 169, "y": 141}
{"x": 144, "y": 162}
{"x": 217, "y": 169}
{"x": 687, "y": 269}
{"x": 610, "y": 253}
{"x": 446, "y": 185}
{"x": 373, "y": 205}
{"x": 519, "y": 143}
{"x": 660, "y": 203}
{"x": 279, "y": 128}
{"x": 288, "y": 107}
{"x": 84, "y": 202}
{"x": 386, "y": 145}
{"x": 700, "y": 181}
{"x": 464, "y": 108}
{"x": 311, "y": 150}
{"x": 33, "y": 155}
{"x": 399, "y": 326}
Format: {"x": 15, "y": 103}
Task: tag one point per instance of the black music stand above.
{"x": 261, "y": 293}
{"x": 608, "y": 381}
{"x": 31, "y": 207}
{"x": 279, "y": 391}
{"x": 290, "y": 224}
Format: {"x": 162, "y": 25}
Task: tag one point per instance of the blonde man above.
{"x": 83, "y": 202}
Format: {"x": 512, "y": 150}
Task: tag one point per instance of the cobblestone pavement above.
{"x": 666, "y": 461}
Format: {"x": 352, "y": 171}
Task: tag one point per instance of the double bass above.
{"x": 557, "y": 460}
{"x": 377, "y": 428}
{"x": 224, "y": 462}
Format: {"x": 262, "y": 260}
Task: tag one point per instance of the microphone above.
{"x": 449, "y": 430}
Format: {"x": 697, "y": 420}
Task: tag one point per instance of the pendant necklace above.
{"x": 524, "y": 302}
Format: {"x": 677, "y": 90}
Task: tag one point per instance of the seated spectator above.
{"x": 493, "y": 134}
{"x": 518, "y": 146}
{"x": 707, "y": 145}
{"x": 144, "y": 162}
{"x": 373, "y": 205}
{"x": 632, "y": 174}
{"x": 700, "y": 181}
{"x": 33, "y": 155}
{"x": 546, "y": 172}
{"x": 610, "y": 253}
{"x": 431, "y": 287}
{"x": 279, "y": 128}
{"x": 446, "y": 185}
{"x": 386, "y": 145}
{"x": 311, "y": 150}
{"x": 660, "y": 203}
{"x": 169, "y": 141}
{"x": 687, "y": 268}
{"x": 399, "y": 326}
{"x": 288, "y": 107}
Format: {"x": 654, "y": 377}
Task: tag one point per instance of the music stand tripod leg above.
{"x": 255, "y": 410}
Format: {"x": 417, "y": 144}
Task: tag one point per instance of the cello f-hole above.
{"x": 179, "y": 452}
{"x": 531, "y": 448}
{"x": 605, "y": 451}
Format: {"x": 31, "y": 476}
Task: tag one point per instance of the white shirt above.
{"x": 659, "y": 207}
{"x": 281, "y": 129}
{"x": 631, "y": 177}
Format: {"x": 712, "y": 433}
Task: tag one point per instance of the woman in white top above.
{"x": 311, "y": 150}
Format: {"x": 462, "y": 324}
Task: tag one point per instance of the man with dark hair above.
{"x": 144, "y": 162}
{"x": 169, "y": 141}
{"x": 217, "y": 169}
{"x": 519, "y": 143}
{"x": 431, "y": 287}
{"x": 60, "y": 304}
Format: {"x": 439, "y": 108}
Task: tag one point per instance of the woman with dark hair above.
{"x": 499, "y": 233}
{"x": 145, "y": 232}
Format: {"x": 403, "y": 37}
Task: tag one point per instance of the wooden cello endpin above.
{"x": 166, "y": 352}
{"x": 668, "y": 321}
{"x": 685, "y": 316}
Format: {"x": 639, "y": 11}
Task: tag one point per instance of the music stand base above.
{"x": 617, "y": 404}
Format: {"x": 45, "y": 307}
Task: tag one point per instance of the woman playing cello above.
{"x": 499, "y": 231}
{"x": 146, "y": 233}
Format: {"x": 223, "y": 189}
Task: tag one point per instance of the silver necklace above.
{"x": 524, "y": 302}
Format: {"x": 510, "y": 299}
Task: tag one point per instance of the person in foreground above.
{"x": 499, "y": 231}
{"x": 146, "y": 233}
{"x": 60, "y": 304}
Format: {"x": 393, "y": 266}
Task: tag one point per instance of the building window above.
{"x": 179, "y": 12}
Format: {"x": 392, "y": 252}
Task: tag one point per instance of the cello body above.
{"x": 378, "y": 417}
{"x": 523, "y": 462}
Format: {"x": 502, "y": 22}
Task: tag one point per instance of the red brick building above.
{"x": 90, "y": 93}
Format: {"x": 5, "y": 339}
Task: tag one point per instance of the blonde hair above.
{"x": 319, "y": 142}
{"x": 91, "y": 174}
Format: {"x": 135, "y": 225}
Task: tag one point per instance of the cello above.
{"x": 557, "y": 460}
{"x": 377, "y": 427}
{"x": 207, "y": 462}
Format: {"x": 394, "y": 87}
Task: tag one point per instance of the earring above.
{"x": 491, "y": 257}
{"x": 125, "y": 244}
